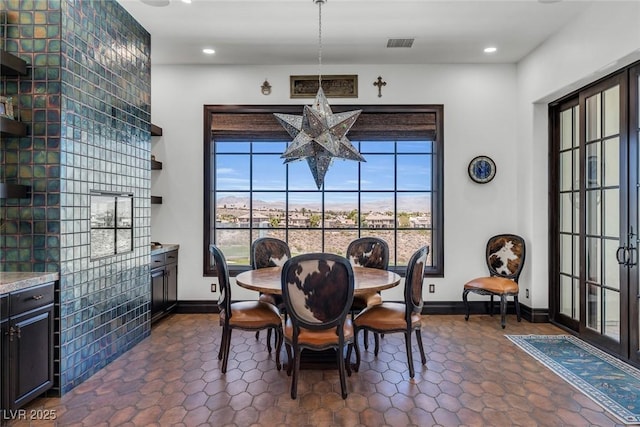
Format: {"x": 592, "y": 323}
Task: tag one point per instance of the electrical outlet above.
{"x": 526, "y": 293}
{"x": 432, "y": 288}
{"x": 213, "y": 287}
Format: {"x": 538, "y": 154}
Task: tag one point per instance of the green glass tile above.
{"x": 41, "y": 5}
{"x": 25, "y": 242}
{"x": 53, "y": 227}
{"x": 11, "y": 171}
{"x": 25, "y": 227}
{"x": 39, "y": 144}
{"x": 13, "y": 32}
{"x": 26, "y": 31}
{"x": 25, "y": 157}
{"x": 10, "y": 227}
{"x": 39, "y": 213}
{"x": 39, "y": 128}
{"x": 11, "y": 157}
{"x": 53, "y": 157}
{"x": 25, "y": 171}
{"x": 53, "y": 242}
{"x": 26, "y": 213}
{"x": 53, "y": 73}
{"x": 53, "y": 31}
{"x": 11, "y": 242}
{"x": 26, "y": 101}
{"x": 25, "y": 255}
{"x": 53, "y": 171}
{"x": 40, "y": 227}
{"x": 40, "y": 101}
{"x": 53, "y": 184}
{"x": 40, "y": 60}
{"x": 40, "y": 87}
{"x": 40, "y": 255}
{"x": 53, "y": 213}
{"x": 39, "y": 45}
{"x": 39, "y": 185}
{"x": 11, "y": 255}
{"x": 53, "y": 59}
{"x": 12, "y": 45}
{"x": 38, "y": 199}
{"x": 39, "y": 171}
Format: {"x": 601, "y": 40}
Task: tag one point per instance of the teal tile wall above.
{"x": 87, "y": 104}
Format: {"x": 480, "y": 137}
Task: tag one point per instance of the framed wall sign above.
{"x": 339, "y": 86}
{"x": 482, "y": 169}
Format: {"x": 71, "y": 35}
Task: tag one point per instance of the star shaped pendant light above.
{"x": 319, "y": 136}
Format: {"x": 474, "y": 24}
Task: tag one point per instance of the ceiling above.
{"x": 285, "y": 32}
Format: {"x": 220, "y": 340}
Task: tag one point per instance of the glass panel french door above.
{"x": 602, "y": 315}
{"x": 595, "y": 214}
{"x": 634, "y": 211}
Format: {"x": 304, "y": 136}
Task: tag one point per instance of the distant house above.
{"x": 377, "y": 220}
{"x": 258, "y": 220}
{"x": 420, "y": 221}
{"x": 298, "y": 220}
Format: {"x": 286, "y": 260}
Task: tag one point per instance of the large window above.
{"x": 396, "y": 194}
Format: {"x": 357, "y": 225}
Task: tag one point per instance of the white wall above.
{"x": 603, "y": 39}
{"x": 497, "y": 110}
{"x": 479, "y": 118}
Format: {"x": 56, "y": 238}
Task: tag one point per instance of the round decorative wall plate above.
{"x": 482, "y": 169}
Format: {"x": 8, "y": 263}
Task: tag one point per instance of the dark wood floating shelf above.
{"x": 14, "y": 191}
{"x": 11, "y": 65}
{"x": 156, "y": 165}
{"x": 156, "y": 200}
{"x": 12, "y": 127}
{"x": 156, "y": 130}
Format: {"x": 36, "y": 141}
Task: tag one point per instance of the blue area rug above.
{"x": 610, "y": 382}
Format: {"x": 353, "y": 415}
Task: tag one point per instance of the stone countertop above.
{"x": 166, "y": 247}
{"x": 15, "y": 281}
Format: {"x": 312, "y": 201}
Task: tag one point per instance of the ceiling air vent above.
{"x": 400, "y": 42}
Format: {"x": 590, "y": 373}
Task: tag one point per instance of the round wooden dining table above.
{"x": 366, "y": 280}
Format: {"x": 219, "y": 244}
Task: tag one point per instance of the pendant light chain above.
{"x": 320, "y": 42}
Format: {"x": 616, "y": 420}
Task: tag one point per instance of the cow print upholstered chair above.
{"x": 505, "y": 255}
{"x": 269, "y": 252}
{"x": 371, "y": 252}
{"x": 393, "y": 317}
{"x": 243, "y": 315}
{"x": 318, "y": 292}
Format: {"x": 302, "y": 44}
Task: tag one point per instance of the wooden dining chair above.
{"x": 243, "y": 315}
{"x": 504, "y": 254}
{"x": 318, "y": 292}
{"x": 269, "y": 252}
{"x": 371, "y": 252}
{"x": 390, "y": 317}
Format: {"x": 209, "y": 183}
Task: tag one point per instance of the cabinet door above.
{"x": 172, "y": 285}
{"x": 30, "y": 345}
{"x": 157, "y": 291}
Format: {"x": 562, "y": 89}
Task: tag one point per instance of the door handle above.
{"x": 631, "y": 261}
{"x": 618, "y": 252}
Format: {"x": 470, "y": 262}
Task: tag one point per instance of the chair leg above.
{"x": 268, "y": 340}
{"x": 491, "y": 306}
{"x": 357, "y": 348}
{"x": 466, "y": 303}
{"x": 376, "y": 347}
{"x": 278, "y": 338}
{"x": 225, "y": 357}
{"x": 341, "y": 370}
{"x": 296, "y": 370}
{"x": 365, "y": 338}
{"x": 257, "y": 335}
{"x": 290, "y": 358}
{"x": 503, "y": 310}
{"x": 419, "y": 339}
{"x": 222, "y": 344}
{"x": 517, "y": 304}
{"x": 407, "y": 341}
{"x": 376, "y": 339}
{"x": 348, "y": 359}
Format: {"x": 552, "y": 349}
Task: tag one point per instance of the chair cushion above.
{"x": 253, "y": 314}
{"x": 496, "y": 285}
{"x": 319, "y": 338}
{"x": 360, "y": 302}
{"x": 388, "y": 316}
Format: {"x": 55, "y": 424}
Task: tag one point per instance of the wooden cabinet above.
{"x": 164, "y": 284}
{"x": 27, "y": 345}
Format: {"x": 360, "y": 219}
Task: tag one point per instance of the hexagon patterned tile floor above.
{"x": 474, "y": 376}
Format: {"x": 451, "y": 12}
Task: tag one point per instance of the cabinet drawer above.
{"x": 171, "y": 256}
{"x": 30, "y": 298}
{"x": 156, "y": 261}
{"x": 4, "y": 306}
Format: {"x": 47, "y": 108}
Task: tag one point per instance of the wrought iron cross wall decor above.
{"x": 379, "y": 83}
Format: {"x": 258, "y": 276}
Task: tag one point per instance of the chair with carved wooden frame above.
{"x": 269, "y": 252}
{"x": 371, "y": 252}
{"x": 505, "y": 254}
{"x": 318, "y": 292}
{"x": 392, "y": 317}
{"x": 243, "y": 315}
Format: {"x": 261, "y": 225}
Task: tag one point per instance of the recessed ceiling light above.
{"x": 208, "y": 51}
{"x": 186, "y": 1}
{"x": 490, "y": 49}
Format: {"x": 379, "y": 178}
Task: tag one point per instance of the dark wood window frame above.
{"x": 387, "y": 122}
